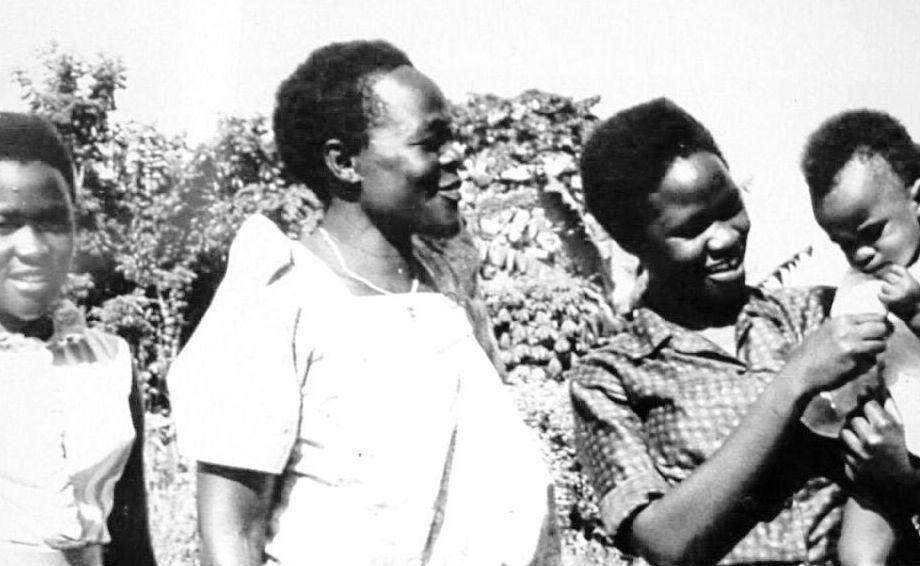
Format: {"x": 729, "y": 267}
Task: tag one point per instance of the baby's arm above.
{"x": 883, "y": 477}
{"x": 866, "y": 536}
{"x": 876, "y": 457}
{"x": 900, "y": 293}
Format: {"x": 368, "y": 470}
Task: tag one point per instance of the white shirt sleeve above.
{"x": 235, "y": 392}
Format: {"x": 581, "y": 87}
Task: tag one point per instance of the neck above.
{"x": 688, "y": 309}
{"x": 351, "y": 227}
{"x": 356, "y": 245}
{"x": 38, "y": 328}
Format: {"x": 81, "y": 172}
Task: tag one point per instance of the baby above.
{"x": 863, "y": 174}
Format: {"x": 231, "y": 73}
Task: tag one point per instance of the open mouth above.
{"x": 727, "y": 269}
{"x": 451, "y": 192}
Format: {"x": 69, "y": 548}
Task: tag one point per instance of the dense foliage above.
{"x": 156, "y": 217}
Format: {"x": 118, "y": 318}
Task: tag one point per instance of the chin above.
{"x": 442, "y": 229}
{"x": 726, "y": 295}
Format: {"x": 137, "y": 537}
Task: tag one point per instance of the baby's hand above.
{"x": 900, "y": 293}
{"x": 874, "y": 451}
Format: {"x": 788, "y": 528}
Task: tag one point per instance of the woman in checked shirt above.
{"x": 688, "y": 422}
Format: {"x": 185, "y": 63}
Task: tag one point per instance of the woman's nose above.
{"x": 723, "y": 236}
{"x": 30, "y": 242}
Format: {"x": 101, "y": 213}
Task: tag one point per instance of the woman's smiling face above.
{"x": 36, "y": 240}
{"x": 408, "y": 169}
{"x": 695, "y": 241}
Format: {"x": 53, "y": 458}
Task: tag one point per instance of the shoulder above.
{"x": 259, "y": 254}
{"x": 792, "y": 301}
{"x": 608, "y": 362}
{"x": 74, "y": 342}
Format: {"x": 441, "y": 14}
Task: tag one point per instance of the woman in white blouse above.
{"x": 335, "y": 396}
{"x": 71, "y": 483}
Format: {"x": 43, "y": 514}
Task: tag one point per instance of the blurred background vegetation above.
{"x": 156, "y": 217}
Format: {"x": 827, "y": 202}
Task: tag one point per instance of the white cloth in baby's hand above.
{"x": 858, "y": 293}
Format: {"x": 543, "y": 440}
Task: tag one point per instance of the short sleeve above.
{"x": 235, "y": 393}
{"x": 772, "y": 326}
{"x": 610, "y": 445}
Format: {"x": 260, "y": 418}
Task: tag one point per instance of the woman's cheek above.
{"x": 64, "y": 251}
{"x": 686, "y": 251}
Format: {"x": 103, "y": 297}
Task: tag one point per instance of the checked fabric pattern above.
{"x": 658, "y": 400}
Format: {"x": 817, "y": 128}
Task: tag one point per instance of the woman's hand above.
{"x": 843, "y": 347}
{"x": 876, "y": 458}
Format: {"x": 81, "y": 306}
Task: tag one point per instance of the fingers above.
{"x": 863, "y": 318}
{"x": 894, "y": 274}
{"x": 892, "y": 409}
{"x": 876, "y": 415}
{"x": 867, "y": 325}
{"x": 851, "y": 466}
{"x": 854, "y": 446}
{"x": 891, "y": 293}
{"x": 76, "y": 349}
{"x": 864, "y": 431}
{"x": 865, "y": 333}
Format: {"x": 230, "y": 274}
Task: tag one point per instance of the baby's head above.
{"x": 863, "y": 172}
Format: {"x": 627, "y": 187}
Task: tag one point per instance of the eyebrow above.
{"x": 33, "y": 212}
{"x": 437, "y": 123}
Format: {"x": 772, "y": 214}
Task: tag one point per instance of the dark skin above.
{"x": 127, "y": 523}
{"x": 233, "y": 511}
{"x": 37, "y": 235}
{"x": 694, "y": 248}
{"x": 872, "y": 214}
{"x": 403, "y": 183}
{"x": 900, "y": 293}
{"x": 886, "y": 487}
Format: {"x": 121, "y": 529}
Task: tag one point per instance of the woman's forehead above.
{"x": 694, "y": 180}
{"x": 406, "y": 95}
{"x": 31, "y": 184}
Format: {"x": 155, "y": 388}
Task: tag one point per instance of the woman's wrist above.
{"x": 790, "y": 394}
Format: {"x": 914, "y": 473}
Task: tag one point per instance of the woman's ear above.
{"x": 340, "y": 162}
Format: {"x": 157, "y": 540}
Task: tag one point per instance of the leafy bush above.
{"x": 156, "y": 218}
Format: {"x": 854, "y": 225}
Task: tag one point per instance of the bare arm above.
{"x": 699, "y": 520}
{"x": 877, "y": 460}
{"x": 866, "y": 536}
{"x": 233, "y": 514}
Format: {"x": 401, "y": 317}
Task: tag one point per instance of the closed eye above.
{"x": 430, "y": 144}
{"x": 869, "y": 234}
{"x": 8, "y": 226}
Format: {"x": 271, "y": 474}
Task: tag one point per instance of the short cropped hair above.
{"x": 326, "y": 97}
{"x": 857, "y": 132}
{"x": 626, "y": 158}
{"x": 28, "y": 137}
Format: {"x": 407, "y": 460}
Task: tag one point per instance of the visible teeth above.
{"x": 726, "y": 265}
